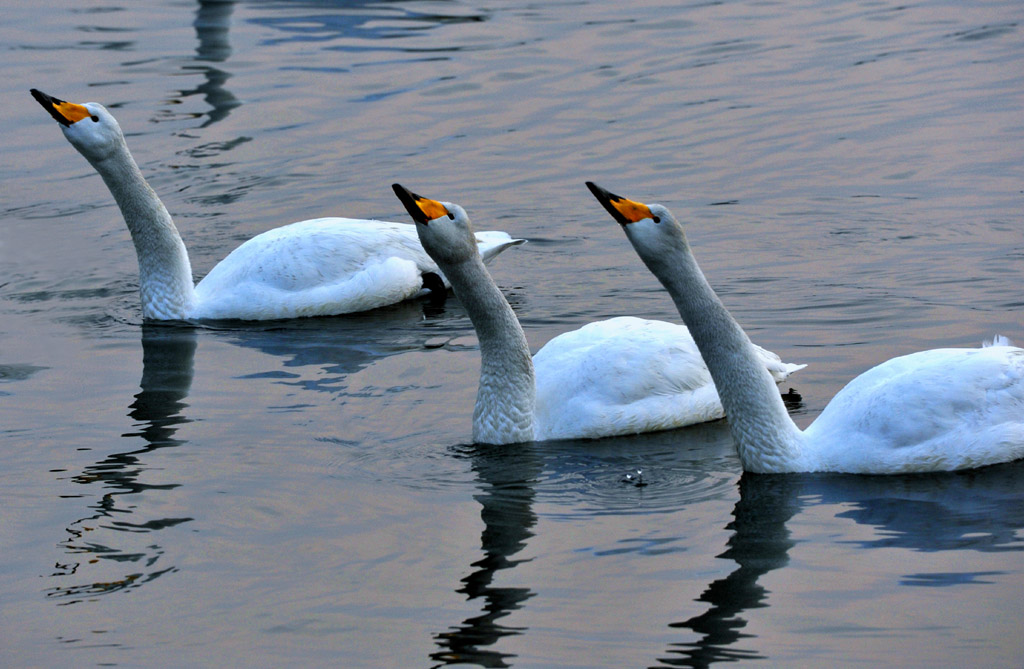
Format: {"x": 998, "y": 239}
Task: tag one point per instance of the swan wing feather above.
{"x": 317, "y": 267}
{"x": 324, "y": 266}
{"x": 626, "y": 375}
{"x": 935, "y": 410}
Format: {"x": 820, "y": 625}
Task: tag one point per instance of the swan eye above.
{"x": 657, "y": 219}
{"x": 451, "y": 216}
{"x": 95, "y": 119}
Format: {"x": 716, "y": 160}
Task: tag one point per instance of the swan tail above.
{"x": 492, "y": 242}
{"x": 779, "y": 370}
{"x": 997, "y": 340}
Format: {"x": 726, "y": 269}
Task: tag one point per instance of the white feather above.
{"x": 627, "y": 375}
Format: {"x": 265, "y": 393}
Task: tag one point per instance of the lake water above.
{"x": 306, "y": 494}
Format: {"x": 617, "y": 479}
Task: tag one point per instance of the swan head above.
{"x": 444, "y": 228}
{"x": 89, "y": 127}
{"x": 651, "y": 228}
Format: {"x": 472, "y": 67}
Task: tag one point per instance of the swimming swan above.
{"x": 319, "y": 267}
{"x": 619, "y": 376}
{"x": 937, "y": 410}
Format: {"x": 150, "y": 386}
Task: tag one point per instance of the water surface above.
{"x": 305, "y": 493}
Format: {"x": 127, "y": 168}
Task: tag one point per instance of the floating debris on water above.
{"x": 635, "y": 478}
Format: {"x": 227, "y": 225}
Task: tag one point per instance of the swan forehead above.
{"x": 659, "y": 211}
{"x": 455, "y": 212}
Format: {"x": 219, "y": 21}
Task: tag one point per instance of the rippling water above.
{"x": 305, "y": 493}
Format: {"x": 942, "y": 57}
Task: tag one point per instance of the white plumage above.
{"x": 323, "y": 266}
{"x": 937, "y": 410}
{"x": 320, "y": 267}
{"x": 620, "y": 376}
{"x": 628, "y": 375}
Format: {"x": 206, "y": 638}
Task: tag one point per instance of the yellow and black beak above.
{"x": 63, "y": 112}
{"x": 420, "y": 208}
{"x": 622, "y": 210}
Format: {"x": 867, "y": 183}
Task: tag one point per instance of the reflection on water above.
{"x": 212, "y": 24}
{"x": 759, "y": 543}
{"x": 336, "y": 347}
{"x": 354, "y": 19}
{"x": 854, "y": 146}
{"x": 980, "y": 510}
{"x": 581, "y": 479}
{"x": 113, "y": 536}
{"x": 17, "y": 372}
{"x": 507, "y": 477}
{"x": 976, "y": 510}
{"x": 158, "y": 412}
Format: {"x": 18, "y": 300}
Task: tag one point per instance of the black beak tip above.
{"x": 41, "y": 97}
{"x": 606, "y": 198}
{"x": 408, "y": 199}
{"x": 49, "y": 103}
{"x": 600, "y": 193}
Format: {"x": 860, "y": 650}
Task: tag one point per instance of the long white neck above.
{"x": 505, "y": 398}
{"x": 165, "y": 274}
{"x": 766, "y": 437}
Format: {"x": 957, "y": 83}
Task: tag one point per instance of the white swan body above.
{"x": 627, "y": 375}
{"x": 324, "y": 266}
{"x": 621, "y": 376}
{"x": 937, "y": 410}
{"x": 320, "y": 267}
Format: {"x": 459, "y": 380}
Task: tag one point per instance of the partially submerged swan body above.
{"x": 325, "y": 267}
{"x": 937, "y": 410}
{"x": 319, "y": 267}
{"x": 628, "y": 375}
{"x": 620, "y": 376}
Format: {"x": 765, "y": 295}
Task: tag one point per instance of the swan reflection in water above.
{"x": 975, "y": 510}
{"x": 321, "y": 354}
{"x": 590, "y": 478}
{"x": 212, "y": 24}
{"x": 113, "y": 536}
{"x": 507, "y": 477}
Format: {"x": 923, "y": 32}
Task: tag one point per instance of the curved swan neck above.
{"x": 766, "y": 437}
{"x": 165, "y": 274}
{"x": 505, "y": 399}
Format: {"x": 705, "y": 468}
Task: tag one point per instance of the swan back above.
{"x": 628, "y": 375}
{"x": 623, "y": 375}
{"x": 319, "y": 267}
{"x": 936, "y": 410}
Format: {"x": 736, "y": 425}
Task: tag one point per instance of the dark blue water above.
{"x": 305, "y": 493}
